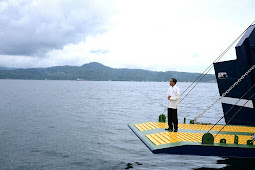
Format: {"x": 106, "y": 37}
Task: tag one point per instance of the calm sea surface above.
{"x": 83, "y": 124}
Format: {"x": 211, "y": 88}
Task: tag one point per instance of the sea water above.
{"x": 48, "y": 124}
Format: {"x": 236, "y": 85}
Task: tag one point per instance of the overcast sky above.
{"x": 158, "y": 35}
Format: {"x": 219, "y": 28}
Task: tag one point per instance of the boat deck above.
{"x": 159, "y": 140}
{"x": 228, "y": 128}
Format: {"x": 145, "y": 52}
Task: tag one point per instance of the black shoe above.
{"x": 175, "y": 130}
{"x": 169, "y": 129}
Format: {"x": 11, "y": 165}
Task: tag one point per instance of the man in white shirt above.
{"x": 173, "y": 96}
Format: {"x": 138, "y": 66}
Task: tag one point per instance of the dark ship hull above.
{"x": 228, "y": 72}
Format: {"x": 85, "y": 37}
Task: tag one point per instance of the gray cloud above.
{"x": 99, "y": 51}
{"x": 32, "y": 28}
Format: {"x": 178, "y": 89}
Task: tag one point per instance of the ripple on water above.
{"x": 83, "y": 125}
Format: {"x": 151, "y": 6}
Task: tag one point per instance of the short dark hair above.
{"x": 174, "y": 80}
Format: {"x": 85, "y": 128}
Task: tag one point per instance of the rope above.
{"x": 226, "y": 92}
{"x": 230, "y": 109}
{"x": 211, "y": 65}
{"x": 209, "y": 68}
{"x": 234, "y": 115}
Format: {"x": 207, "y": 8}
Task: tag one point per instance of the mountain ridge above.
{"x": 95, "y": 71}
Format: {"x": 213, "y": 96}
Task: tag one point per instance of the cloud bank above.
{"x": 147, "y": 34}
{"x": 33, "y": 28}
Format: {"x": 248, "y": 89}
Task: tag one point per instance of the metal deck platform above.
{"x": 188, "y": 139}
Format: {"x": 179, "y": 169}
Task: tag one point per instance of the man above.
{"x": 173, "y": 96}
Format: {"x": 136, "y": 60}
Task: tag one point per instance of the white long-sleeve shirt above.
{"x": 175, "y": 94}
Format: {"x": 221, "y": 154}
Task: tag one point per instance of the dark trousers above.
{"x": 172, "y": 119}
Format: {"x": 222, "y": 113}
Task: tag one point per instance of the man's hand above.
{"x": 169, "y": 97}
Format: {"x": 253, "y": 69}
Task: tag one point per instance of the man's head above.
{"x": 173, "y": 81}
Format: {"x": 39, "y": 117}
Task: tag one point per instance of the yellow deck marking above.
{"x": 172, "y": 137}
{"x": 144, "y": 127}
{"x": 163, "y": 138}
{"x": 228, "y": 128}
{"x": 158, "y": 139}
{"x": 138, "y": 126}
{"x": 150, "y": 125}
{"x": 153, "y": 140}
{"x": 153, "y": 125}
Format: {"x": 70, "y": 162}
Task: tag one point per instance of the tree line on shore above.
{"x": 97, "y": 72}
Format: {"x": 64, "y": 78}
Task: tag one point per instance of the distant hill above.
{"x": 6, "y": 68}
{"x": 97, "y": 72}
